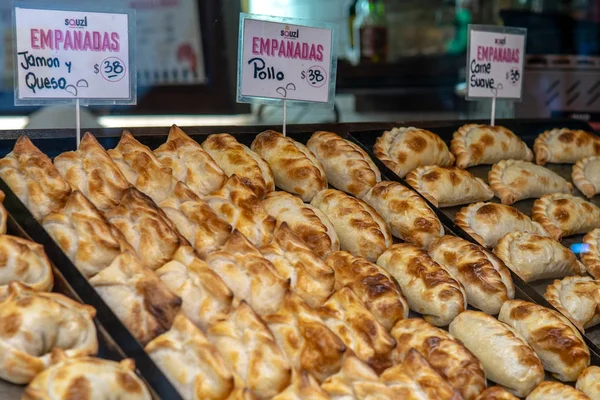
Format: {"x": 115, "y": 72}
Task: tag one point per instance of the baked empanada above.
{"x": 446, "y": 355}
{"x": 586, "y": 176}
{"x": 90, "y": 170}
{"x": 506, "y": 357}
{"x": 514, "y": 180}
{"x": 495, "y": 393}
{"x": 475, "y": 144}
{"x": 589, "y": 382}
{"x": 356, "y": 381}
{"x": 295, "y": 168}
{"x": 372, "y": 284}
{"x": 250, "y": 351}
{"x": 554, "y": 339}
{"x": 137, "y": 296}
{"x": 33, "y": 324}
{"x": 590, "y": 256}
{"x": 361, "y": 230}
{"x": 348, "y": 167}
{"x": 303, "y": 386}
{"x": 237, "y": 159}
{"x": 428, "y": 287}
{"x": 556, "y": 391}
{"x": 31, "y": 176}
{"x": 534, "y": 257}
{"x": 406, "y": 213}
{"x": 309, "y": 223}
{"x": 309, "y": 276}
{"x": 488, "y": 222}
{"x": 448, "y": 186}
{"x": 404, "y": 149}
{"x": 189, "y": 163}
{"x": 565, "y": 146}
{"x": 565, "y": 215}
{"x": 484, "y": 276}
{"x": 577, "y": 298}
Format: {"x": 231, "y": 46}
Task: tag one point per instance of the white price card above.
{"x": 286, "y": 59}
{"x": 62, "y": 56}
{"x": 495, "y": 62}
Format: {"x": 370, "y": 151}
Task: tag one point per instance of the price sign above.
{"x": 65, "y": 55}
{"x": 286, "y": 59}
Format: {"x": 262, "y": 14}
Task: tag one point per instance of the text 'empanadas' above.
{"x": 565, "y": 146}
{"x": 565, "y": 215}
{"x": 586, "y": 176}
{"x": 577, "y": 298}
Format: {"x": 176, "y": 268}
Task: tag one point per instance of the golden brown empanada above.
{"x": 534, "y": 257}
{"x": 303, "y": 386}
{"x": 484, "y": 276}
{"x": 295, "y": 168}
{"x": 495, "y": 393}
{"x": 514, "y": 180}
{"x": 488, "y": 222}
{"x": 309, "y": 223}
{"x": 361, "y": 230}
{"x": 404, "y": 149}
{"x": 589, "y": 382}
{"x": 428, "y": 287}
{"x": 446, "y": 355}
{"x": 309, "y": 276}
{"x": 356, "y": 381}
{"x": 250, "y": 351}
{"x": 577, "y": 298}
{"x": 31, "y": 176}
{"x": 406, "y": 213}
{"x": 348, "y": 167}
{"x": 556, "y": 391}
{"x": 554, "y": 339}
{"x": 372, "y": 284}
{"x": 475, "y": 144}
{"x": 565, "y": 146}
{"x": 90, "y": 170}
{"x": 586, "y": 176}
{"x": 506, "y": 357}
{"x": 590, "y": 256}
{"x": 190, "y": 362}
{"x": 305, "y": 339}
{"x": 32, "y": 324}
{"x": 137, "y": 296}
{"x": 189, "y": 163}
{"x": 237, "y": 159}
{"x": 565, "y": 215}
{"x": 448, "y": 186}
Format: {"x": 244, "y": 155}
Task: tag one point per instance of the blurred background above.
{"x": 398, "y": 60}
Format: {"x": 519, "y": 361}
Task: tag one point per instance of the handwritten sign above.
{"x": 69, "y": 55}
{"x": 495, "y": 62}
{"x": 286, "y": 59}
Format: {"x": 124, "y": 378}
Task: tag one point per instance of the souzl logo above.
{"x": 76, "y": 23}
{"x": 500, "y": 42}
{"x": 290, "y": 34}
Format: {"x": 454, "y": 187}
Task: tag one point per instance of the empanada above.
{"x": 249, "y": 275}
{"x": 305, "y": 339}
{"x": 189, "y": 163}
{"x": 90, "y": 170}
{"x": 360, "y": 331}
{"x": 31, "y": 176}
{"x": 295, "y": 168}
{"x": 577, "y": 298}
{"x": 534, "y": 257}
{"x": 372, "y": 284}
{"x": 514, "y": 180}
{"x": 506, "y": 357}
{"x": 488, "y": 222}
{"x": 475, "y": 144}
{"x": 190, "y": 362}
{"x": 137, "y": 296}
{"x": 303, "y": 386}
{"x": 484, "y": 276}
{"x": 428, "y": 287}
{"x": 237, "y": 159}
{"x": 446, "y": 355}
{"x": 356, "y": 381}
{"x": 205, "y": 296}
{"x": 589, "y": 382}
{"x": 348, "y": 167}
{"x": 309, "y": 223}
{"x": 33, "y": 324}
{"x": 448, "y": 186}
{"x": 250, "y": 351}
{"x": 361, "y": 230}
{"x": 309, "y": 276}
{"x": 565, "y": 146}
{"x": 554, "y": 339}
{"x": 495, "y": 393}
{"x": 404, "y": 149}
{"x": 406, "y": 213}
{"x": 3, "y": 214}
{"x": 556, "y": 391}
{"x": 565, "y": 215}
{"x": 236, "y": 204}
{"x": 586, "y": 176}
{"x": 590, "y": 256}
